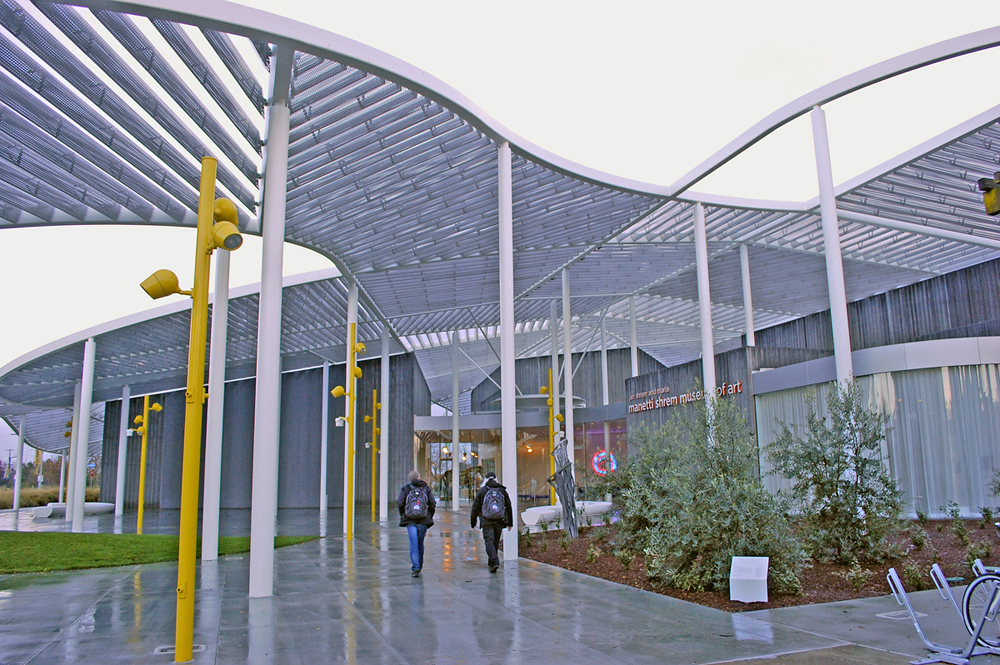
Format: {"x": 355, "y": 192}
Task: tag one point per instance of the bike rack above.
{"x": 941, "y": 582}
{"x": 942, "y": 653}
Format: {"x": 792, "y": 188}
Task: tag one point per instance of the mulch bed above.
{"x": 821, "y": 582}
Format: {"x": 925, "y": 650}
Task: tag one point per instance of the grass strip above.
{"x": 32, "y": 552}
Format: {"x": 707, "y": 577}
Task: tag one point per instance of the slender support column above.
{"x": 264, "y": 498}
{"x": 831, "y": 248}
{"x": 122, "y": 453}
{"x": 324, "y": 440}
{"x": 383, "y": 447}
{"x": 351, "y": 411}
{"x": 216, "y": 401}
{"x": 568, "y": 372}
{"x": 604, "y": 386}
{"x": 20, "y": 465}
{"x": 83, "y": 438}
{"x": 456, "y": 457}
{"x": 635, "y": 345}
{"x": 554, "y": 327}
{"x": 508, "y": 422}
{"x": 747, "y": 294}
{"x": 704, "y": 302}
{"x": 62, "y": 476}
{"x": 70, "y": 475}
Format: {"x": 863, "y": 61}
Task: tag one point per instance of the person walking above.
{"x": 416, "y": 513}
{"x": 493, "y": 509}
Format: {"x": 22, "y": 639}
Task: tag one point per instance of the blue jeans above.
{"x": 417, "y": 533}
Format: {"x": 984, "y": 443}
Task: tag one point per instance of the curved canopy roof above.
{"x": 107, "y": 107}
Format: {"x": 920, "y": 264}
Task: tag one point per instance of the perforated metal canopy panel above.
{"x": 106, "y": 109}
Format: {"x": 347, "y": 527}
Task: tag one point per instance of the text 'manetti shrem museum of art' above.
{"x": 473, "y": 263}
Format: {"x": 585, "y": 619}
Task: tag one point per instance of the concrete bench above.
{"x": 540, "y": 518}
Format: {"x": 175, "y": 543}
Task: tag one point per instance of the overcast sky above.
{"x": 645, "y": 90}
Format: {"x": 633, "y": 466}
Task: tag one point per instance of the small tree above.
{"x": 691, "y": 500}
{"x": 840, "y": 481}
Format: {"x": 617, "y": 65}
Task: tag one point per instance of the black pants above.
{"x": 491, "y": 536}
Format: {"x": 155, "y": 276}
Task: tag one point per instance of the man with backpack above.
{"x": 416, "y": 513}
{"x": 493, "y": 509}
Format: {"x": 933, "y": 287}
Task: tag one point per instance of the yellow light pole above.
{"x": 353, "y": 374}
{"x": 223, "y": 234}
{"x": 373, "y": 419}
{"x": 143, "y": 430}
{"x": 553, "y": 428}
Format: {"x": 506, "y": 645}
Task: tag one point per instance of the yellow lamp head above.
{"x": 226, "y": 236}
{"x": 559, "y": 417}
{"x": 357, "y": 372}
{"x": 224, "y": 210}
{"x": 138, "y": 420}
{"x": 155, "y": 406}
{"x": 67, "y": 434}
{"x": 548, "y": 402}
{"x": 360, "y": 347}
{"x": 544, "y": 390}
{"x": 377, "y": 431}
{"x": 69, "y": 423}
{"x": 161, "y": 283}
{"x": 338, "y": 391}
{"x": 140, "y": 430}
{"x": 368, "y": 419}
{"x": 378, "y": 405}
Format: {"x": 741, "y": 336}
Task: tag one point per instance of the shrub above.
{"x": 958, "y": 524}
{"x": 981, "y": 550}
{"x": 625, "y": 558}
{"x": 564, "y": 541}
{"x": 919, "y": 538}
{"x": 691, "y": 500}
{"x": 922, "y": 518}
{"x": 849, "y": 501}
{"x": 987, "y": 519}
{"x": 526, "y": 537}
{"x": 913, "y": 579}
{"x": 857, "y": 576}
{"x": 593, "y": 553}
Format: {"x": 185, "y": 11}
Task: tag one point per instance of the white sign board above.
{"x": 748, "y": 579}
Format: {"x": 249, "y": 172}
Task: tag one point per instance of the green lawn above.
{"x": 28, "y": 552}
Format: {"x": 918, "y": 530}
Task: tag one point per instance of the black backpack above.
{"x": 493, "y": 504}
{"x": 416, "y": 503}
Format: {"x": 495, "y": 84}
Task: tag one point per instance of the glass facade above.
{"x": 479, "y": 453}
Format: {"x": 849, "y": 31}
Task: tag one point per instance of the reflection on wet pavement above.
{"x": 337, "y": 601}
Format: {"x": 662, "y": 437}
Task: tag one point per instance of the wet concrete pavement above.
{"x": 356, "y": 602}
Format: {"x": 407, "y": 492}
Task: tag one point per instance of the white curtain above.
{"x": 942, "y": 442}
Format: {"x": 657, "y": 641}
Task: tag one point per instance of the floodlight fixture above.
{"x": 162, "y": 283}
{"x": 338, "y": 392}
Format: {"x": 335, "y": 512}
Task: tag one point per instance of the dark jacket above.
{"x": 477, "y": 506}
{"x": 431, "y": 505}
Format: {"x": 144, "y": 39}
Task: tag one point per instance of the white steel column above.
{"x": 264, "y": 497}
{"x": 216, "y": 402}
{"x": 635, "y": 345}
{"x": 554, "y": 326}
{"x": 324, "y": 440}
{"x": 350, "y": 383}
{"x": 568, "y": 371}
{"x": 455, "y": 453}
{"x": 70, "y": 476}
{"x": 831, "y": 248}
{"x": 122, "y": 453}
{"x": 83, "y": 438}
{"x": 62, "y": 476}
{"x": 383, "y": 445}
{"x": 604, "y": 385}
{"x": 747, "y": 295}
{"x": 508, "y": 421}
{"x": 20, "y": 465}
{"x": 704, "y": 302}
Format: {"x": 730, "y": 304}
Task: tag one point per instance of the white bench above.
{"x": 541, "y": 518}
{"x": 59, "y": 509}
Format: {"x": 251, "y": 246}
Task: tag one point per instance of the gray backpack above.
{"x": 493, "y": 505}
{"x": 416, "y": 503}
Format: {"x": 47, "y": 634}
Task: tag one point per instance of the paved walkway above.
{"x": 340, "y": 602}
